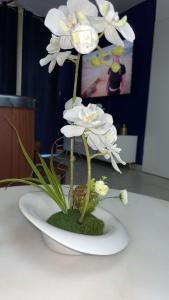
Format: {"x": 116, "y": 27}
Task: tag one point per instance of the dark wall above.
{"x": 37, "y": 83}
{"x": 131, "y": 109}
{"x": 8, "y": 38}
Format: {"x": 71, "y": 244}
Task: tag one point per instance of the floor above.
{"x": 131, "y": 179}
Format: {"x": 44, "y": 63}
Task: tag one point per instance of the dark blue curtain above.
{"x": 38, "y": 83}
{"x": 8, "y": 38}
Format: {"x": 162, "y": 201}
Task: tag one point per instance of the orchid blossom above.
{"x": 105, "y": 144}
{"x": 77, "y": 25}
{"x": 86, "y": 118}
{"x": 54, "y": 55}
{"x": 70, "y": 23}
{"x": 111, "y": 24}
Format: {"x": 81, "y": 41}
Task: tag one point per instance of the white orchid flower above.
{"x": 89, "y": 118}
{"x": 71, "y": 24}
{"x": 102, "y": 142}
{"x": 110, "y": 24}
{"x": 54, "y": 55}
{"x": 105, "y": 144}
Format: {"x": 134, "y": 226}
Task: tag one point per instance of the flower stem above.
{"x": 76, "y": 78}
{"x": 96, "y": 155}
{"x": 87, "y": 198}
{"x": 100, "y": 35}
{"x": 72, "y": 141}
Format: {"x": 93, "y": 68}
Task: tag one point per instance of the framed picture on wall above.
{"x": 111, "y": 78}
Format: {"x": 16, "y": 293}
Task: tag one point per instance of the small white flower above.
{"x": 54, "y": 55}
{"x": 101, "y": 188}
{"x": 123, "y": 197}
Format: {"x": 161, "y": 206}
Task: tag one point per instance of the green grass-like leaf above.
{"x": 54, "y": 190}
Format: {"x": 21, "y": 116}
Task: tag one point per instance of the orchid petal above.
{"x": 52, "y": 65}
{"x": 114, "y": 164}
{"x": 65, "y": 42}
{"x": 70, "y": 103}
{"x": 91, "y": 144}
{"x": 44, "y": 61}
{"x": 105, "y": 7}
{"x": 118, "y": 158}
{"x": 93, "y": 141}
{"x": 55, "y": 21}
{"x": 62, "y": 56}
{"x": 71, "y": 115}
{"x": 127, "y": 32}
{"x": 100, "y": 130}
{"x": 98, "y": 23}
{"x": 64, "y": 9}
{"x": 72, "y": 131}
{"x": 111, "y": 14}
{"x": 108, "y": 118}
{"x": 85, "y": 6}
{"x": 112, "y": 36}
{"x": 54, "y": 45}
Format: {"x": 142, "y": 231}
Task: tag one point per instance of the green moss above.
{"x": 70, "y": 222}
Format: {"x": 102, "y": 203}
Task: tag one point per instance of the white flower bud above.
{"x": 123, "y": 197}
{"x": 101, "y": 188}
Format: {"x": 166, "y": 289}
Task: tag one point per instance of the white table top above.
{"x": 30, "y": 271}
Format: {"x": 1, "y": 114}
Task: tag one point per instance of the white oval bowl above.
{"x": 37, "y": 207}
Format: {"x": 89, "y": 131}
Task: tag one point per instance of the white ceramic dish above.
{"x": 37, "y": 207}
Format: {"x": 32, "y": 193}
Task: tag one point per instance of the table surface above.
{"x": 31, "y": 271}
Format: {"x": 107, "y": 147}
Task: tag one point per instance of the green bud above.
{"x": 115, "y": 67}
{"x": 95, "y": 61}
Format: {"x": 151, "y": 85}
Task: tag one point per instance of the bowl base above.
{"x": 57, "y": 247}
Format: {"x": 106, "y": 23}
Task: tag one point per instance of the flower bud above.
{"x": 101, "y": 188}
{"x": 123, "y": 197}
{"x": 118, "y": 51}
{"x": 115, "y": 67}
{"x": 95, "y": 61}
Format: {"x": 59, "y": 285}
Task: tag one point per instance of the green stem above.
{"x": 100, "y": 50}
{"x": 106, "y": 63}
{"x": 87, "y": 198}
{"x": 96, "y": 155}
{"x": 100, "y": 35}
{"x": 72, "y": 141}
{"x": 76, "y": 78}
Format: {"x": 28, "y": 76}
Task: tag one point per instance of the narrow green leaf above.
{"x": 24, "y": 181}
{"x": 59, "y": 197}
{"x": 46, "y": 188}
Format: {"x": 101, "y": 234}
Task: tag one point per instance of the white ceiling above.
{"x": 40, "y": 7}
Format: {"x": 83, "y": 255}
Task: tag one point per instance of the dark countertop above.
{"x": 17, "y": 102}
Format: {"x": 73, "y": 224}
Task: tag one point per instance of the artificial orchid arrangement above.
{"x": 79, "y": 25}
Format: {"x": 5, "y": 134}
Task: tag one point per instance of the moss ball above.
{"x": 70, "y": 222}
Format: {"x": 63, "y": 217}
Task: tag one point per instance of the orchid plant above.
{"x": 80, "y": 25}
